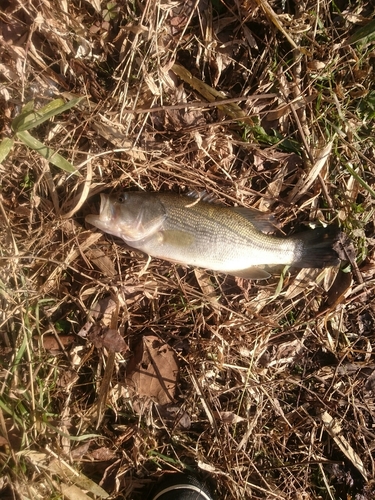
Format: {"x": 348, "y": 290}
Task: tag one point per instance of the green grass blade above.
{"x": 47, "y": 153}
{"x": 364, "y": 34}
{"x": 23, "y": 119}
{"x": 55, "y": 107}
{"x": 360, "y": 180}
{"x": 5, "y": 148}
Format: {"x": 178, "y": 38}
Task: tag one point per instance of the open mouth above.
{"x": 104, "y": 217}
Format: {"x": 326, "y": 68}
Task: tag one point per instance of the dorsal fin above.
{"x": 263, "y": 221}
{"x": 203, "y": 196}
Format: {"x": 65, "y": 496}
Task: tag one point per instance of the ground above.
{"x": 267, "y": 386}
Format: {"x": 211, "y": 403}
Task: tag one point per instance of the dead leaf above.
{"x": 370, "y": 384}
{"x": 287, "y": 353}
{"x": 113, "y": 341}
{"x": 207, "y": 467}
{"x": 276, "y": 20}
{"x": 284, "y": 108}
{"x": 84, "y": 331}
{"x": 53, "y": 344}
{"x": 101, "y": 261}
{"x": 116, "y": 134}
{"x": 316, "y": 65}
{"x": 303, "y": 279}
{"x": 174, "y": 416}
{"x": 80, "y": 450}
{"x": 211, "y": 94}
{"x": 153, "y": 370}
{"x": 103, "y": 310}
{"x": 344, "y": 248}
{"x": 102, "y": 454}
{"x": 67, "y": 378}
{"x": 341, "y": 285}
{"x": 109, "y": 338}
{"x": 95, "y": 4}
{"x": 208, "y": 290}
{"x": 72, "y": 492}
{"x": 228, "y": 417}
{"x": 65, "y": 472}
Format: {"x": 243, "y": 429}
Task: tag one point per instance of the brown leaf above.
{"x": 109, "y": 338}
{"x": 80, "y": 450}
{"x": 113, "y": 341}
{"x": 67, "y": 378}
{"x": 341, "y": 285}
{"x": 104, "y": 309}
{"x": 174, "y": 416}
{"x": 153, "y": 370}
{"x": 53, "y": 344}
{"x": 101, "y": 261}
{"x": 102, "y": 454}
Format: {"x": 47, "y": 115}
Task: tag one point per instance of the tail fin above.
{"x": 316, "y": 247}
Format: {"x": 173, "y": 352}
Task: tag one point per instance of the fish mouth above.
{"x": 104, "y": 218}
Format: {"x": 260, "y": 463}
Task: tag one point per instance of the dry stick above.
{"x": 275, "y": 19}
{"x": 204, "y": 402}
{"x": 104, "y": 388}
{"x": 46, "y": 173}
{"x": 355, "y": 269}
{"x": 309, "y": 154}
{"x": 199, "y": 296}
{"x": 197, "y": 104}
{"x": 300, "y": 114}
{"x": 353, "y": 148}
{"x": 108, "y": 372}
{"x": 297, "y": 56}
{"x": 128, "y": 65}
{"x": 4, "y": 432}
{"x": 301, "y": 464}
{"x": 177, "y": 45}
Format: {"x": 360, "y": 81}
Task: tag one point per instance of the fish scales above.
{"x": 194, "y": 232}
{"x": 220, "y": 235}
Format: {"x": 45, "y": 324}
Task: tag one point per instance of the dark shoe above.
{"x": 180, "y": 487}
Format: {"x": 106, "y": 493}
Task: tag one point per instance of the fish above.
{"x": 198, "y": 232}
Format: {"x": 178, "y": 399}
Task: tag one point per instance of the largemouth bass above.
{"x": 195, "y": 232}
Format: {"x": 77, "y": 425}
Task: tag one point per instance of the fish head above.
{"x": 131, "y": 216}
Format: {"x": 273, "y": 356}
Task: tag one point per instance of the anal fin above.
{"x": 251, "y": 273}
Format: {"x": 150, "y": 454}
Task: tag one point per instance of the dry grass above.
{"x": 275, "y": 397}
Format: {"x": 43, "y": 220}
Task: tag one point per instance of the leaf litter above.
{"x": 266, "y": 387}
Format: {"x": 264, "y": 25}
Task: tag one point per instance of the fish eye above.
{"x": 121, "y": 198}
